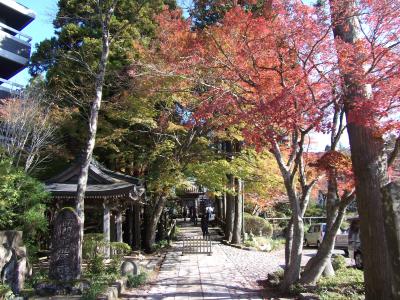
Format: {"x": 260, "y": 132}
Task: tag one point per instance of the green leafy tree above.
{"x": 70, "y": 59}
{"x": 150, "y": 135}
{"x": 22, "y": 203}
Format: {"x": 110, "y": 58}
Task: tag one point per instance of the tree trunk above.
{"x": 107, "y": 228}
{"x": 219, "y": 207}
{"x": 161, "y": 227}
{"x": 91, "y": 139}
{"x": 292, "y": 272}
{"x": 391, "y": 212}
{"x": 237, "y": 226}
{"x": 321, "y": 262}
{"x": 224, "y": 206}
{"x": 151, "y": 225}
{"x": 288, "y": 243}
{"x": 293, "y": 250}
{"x": 366, "y": 151}
{"x": 369, "y": 165}
{"x": 118, "y": 225}
{"x": 230, "y": 211}
{"x": 317, "y": 264}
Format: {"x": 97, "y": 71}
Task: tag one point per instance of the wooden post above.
{"x": 118, "y": 224}
{"x": 129, "y": 216}
{"x": 106, "y": 228}
{"x": 136, "y": 227}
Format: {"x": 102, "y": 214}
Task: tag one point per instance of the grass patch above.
{"x": 161, "y": 245}
{"x": 135, "y": 281}
{"x": 5, "y": 291}
{"x": 97, "y": 287}
{"x": 348, "y": 284}
{"x": 264, "y": 243}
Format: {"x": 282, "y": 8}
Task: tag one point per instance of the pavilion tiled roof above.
{"x": 102, "y": 184}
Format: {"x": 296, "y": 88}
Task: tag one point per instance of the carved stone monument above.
{"x": 65, "y": 261}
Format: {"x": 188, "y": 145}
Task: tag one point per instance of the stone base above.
{"x": 47, "y": 289}
{"x": 308, "y": 296}
{"x": 114, "y": 291}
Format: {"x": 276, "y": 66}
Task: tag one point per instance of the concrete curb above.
{"x": 225, "y": 242}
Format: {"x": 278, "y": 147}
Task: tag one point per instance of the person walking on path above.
{"x": 194, "y": 216}
{"x": 204, "y": 224}
{"x": 184, "y": 213}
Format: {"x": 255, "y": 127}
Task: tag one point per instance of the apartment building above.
{"x": 15, "y": 46}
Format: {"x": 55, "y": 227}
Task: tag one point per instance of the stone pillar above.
{"x": 136, "y": 227}
{"x": 118, "y": 225}
{"x": 106, "y": 228}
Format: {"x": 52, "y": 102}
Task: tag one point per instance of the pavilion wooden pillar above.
{"x": 118, "y": 225}
{"x": 129, "y": 217}
{"x": 136, "y": 243}
{"x": 106, "y": 227}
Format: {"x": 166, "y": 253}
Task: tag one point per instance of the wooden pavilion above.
{"x": 115, "y": 196}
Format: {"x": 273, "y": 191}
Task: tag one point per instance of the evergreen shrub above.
{"x": 256, "y": 224}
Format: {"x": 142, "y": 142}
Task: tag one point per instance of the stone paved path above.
{"x": 199, "y": 276}
{"x": 230, "y": 273}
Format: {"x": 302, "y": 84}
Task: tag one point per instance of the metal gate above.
{"x": 197, "y": 245}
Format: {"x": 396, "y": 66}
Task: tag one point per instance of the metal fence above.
{"x": 197, "y": 245}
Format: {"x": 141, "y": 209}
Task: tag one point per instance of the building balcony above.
{"x": 15, "y": 49}
{"x": 9, "y": 89}
{"x": 15, "y": 15}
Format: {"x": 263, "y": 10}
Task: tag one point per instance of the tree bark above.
{"x": 237, "y": 226}
{"x": 94, "y": 113}
{"x": 321, "y": 263}
{"x": 106, "y": 228}
{"x": 219, "y": 207}
{"x": 369, "y": 164}
{"x": 118, "y": 225}
{"x": 293, "y": 259}
{"x": 391, "y": 212}
{"x": 288, "y": 243}
{"x": 292, "y": 272}
{"x": 230, "y": 210}
{"x": 224, "y": 206}
{"x": 317, "y": 264}
{"x": 151, "y": 225}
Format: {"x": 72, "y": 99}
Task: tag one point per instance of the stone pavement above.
{"x": 199, "y": 276}
{"x": 230, "y": 273}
